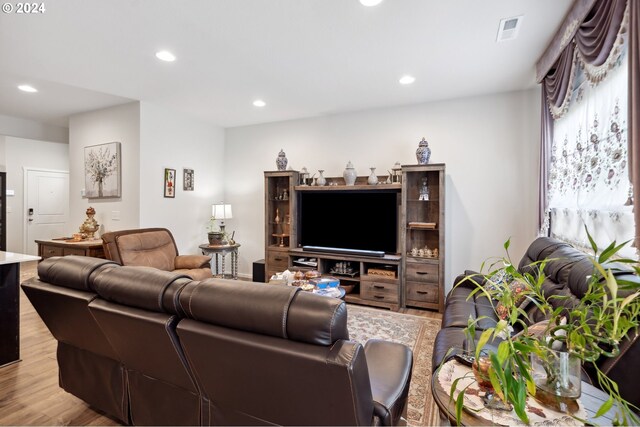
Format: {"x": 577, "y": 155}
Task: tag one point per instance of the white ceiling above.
{"x": 303, "y": 57}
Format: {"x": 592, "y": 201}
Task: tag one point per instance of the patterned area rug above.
{"x": 418, "y": 333}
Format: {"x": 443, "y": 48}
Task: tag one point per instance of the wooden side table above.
{"x": 219, "y": 253}
{"x": 49, "y": 248}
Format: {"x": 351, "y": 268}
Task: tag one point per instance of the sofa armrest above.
{"x": 390, "y": 367}
{"x": 192, "y": 261}
{"x": 468, "y": 278}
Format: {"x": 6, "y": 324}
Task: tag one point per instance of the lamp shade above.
{"x": 221, "y": 211}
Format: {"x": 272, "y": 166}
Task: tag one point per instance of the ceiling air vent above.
{"x": 509, "y": 28}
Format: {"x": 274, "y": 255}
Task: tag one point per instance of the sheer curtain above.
{"x": 586, "y": 141}
{"x": 588, "y": 180}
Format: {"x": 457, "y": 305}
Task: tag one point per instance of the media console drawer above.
{"x": 422, "y": 272}
{"x": 278, "y": 259}
{"x": 379, "y": 291}
{"x": 422, "y": 292}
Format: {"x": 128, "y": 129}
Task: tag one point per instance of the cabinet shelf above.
{"x": 342, "y": 187}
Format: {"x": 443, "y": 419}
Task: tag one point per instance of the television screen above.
{"x": 363, "y": 220}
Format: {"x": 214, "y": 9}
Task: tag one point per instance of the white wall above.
{"x": 169, "y": 139}
{"x": 122, "y": 124}
{"x": 27, "y": 153}
{"x": 29, "y": 129}
{"x": 489, "y": 145}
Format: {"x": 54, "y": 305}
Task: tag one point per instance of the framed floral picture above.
{"x": 169, "y": 182}
{"x": 187, "y": 179}
{"x": 102, "y": 171}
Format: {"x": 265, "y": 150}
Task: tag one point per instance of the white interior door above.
{"x": 46, "y": 206}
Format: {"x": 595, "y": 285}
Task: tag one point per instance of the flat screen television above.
{"x": 359, "y": 220}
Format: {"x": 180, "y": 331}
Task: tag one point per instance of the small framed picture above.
{"x": 187, "y": 179}
{"x": 169, "y": 182}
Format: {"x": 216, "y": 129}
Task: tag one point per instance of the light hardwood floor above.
{"x": 29, "y": 391}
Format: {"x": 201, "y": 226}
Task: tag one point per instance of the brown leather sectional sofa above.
{"x": 150, "y": 347}
{"x": 566, "y": 275}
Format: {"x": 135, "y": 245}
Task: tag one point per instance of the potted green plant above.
{"x": 544, "y": 363}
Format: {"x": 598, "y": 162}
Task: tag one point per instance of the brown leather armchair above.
{"x": 88, "y": 365}
{"x": 153, "y": 247}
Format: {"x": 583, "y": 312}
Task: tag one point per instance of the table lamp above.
{"x": 222, "y": 212}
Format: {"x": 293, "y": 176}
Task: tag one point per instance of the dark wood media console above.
{"x": 413, "y": 276}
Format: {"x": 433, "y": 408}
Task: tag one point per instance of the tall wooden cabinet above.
{"x": 280, "y": 219}
{"x": 423, "y": 235}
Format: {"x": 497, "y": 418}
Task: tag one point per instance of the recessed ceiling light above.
{"x": 259, "y": 103}
{"x": 165, "y": 55}
{"x": 370, "y": 3}
{"x": 27, "y": 88}
{"x": 407, "y": 80}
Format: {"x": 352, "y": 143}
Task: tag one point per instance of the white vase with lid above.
{"x": 349, "y": 174}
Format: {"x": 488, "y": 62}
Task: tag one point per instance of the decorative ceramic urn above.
{"x": 373, "y": 179}
{"x": 349, "y": 174}
{"x": 281, "y": 161}
{"x": 423, "y": 153}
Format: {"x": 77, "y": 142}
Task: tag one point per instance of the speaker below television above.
{"x": 361, "y": 252}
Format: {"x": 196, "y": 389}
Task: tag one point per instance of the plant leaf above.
{"x": 606, "y": 406}
{"x": 611, "y": 250}
{"x": 591, "y": 241}
{"x": 503, "y": 351}
{"x": 459, "y": 405}
{"x": 484, "y": 338}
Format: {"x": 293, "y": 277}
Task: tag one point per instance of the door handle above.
{"x": 423, "y": 273}
{"x": 378, "y": 287}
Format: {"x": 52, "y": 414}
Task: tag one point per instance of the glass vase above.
{"x": 558, "y": 380}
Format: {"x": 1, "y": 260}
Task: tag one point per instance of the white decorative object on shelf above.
{"x": 281, "y": 161}
{"x": 321, "y": 179}
{"x": 373, "y": 179}
{"x": 423, "y": 153}
{"x": 349, "y": 174}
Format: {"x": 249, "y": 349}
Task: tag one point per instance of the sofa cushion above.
{"x": 276, "y": 310}
{"x": 539, "y": 250}
{"x": 72, "y": 271}
{"x": 460, "y": 305}
{"x": 153, "y": 249}
{"x": 141, "y": 287}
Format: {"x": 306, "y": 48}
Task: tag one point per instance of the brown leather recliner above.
{"x": 153, "y": 247}
{"x": 161, "y": 388}
{"x": 88, "y": 365}
{"x": 277, "y": 355}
